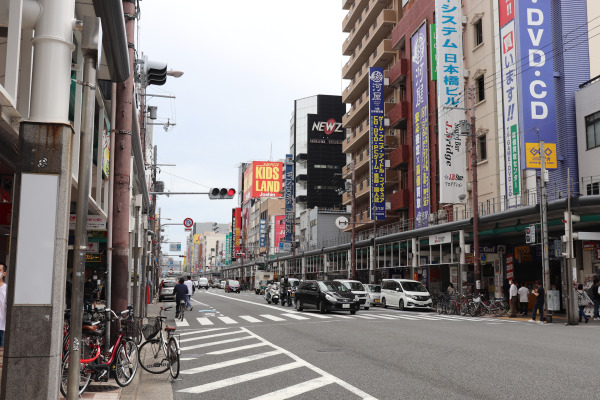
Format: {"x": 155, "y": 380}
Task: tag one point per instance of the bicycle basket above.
{"x": 131, "y": 326}
{"x": 151, "y": 329}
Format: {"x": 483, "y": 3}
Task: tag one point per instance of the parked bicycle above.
{"x": 159, "y": 354}
{"x": 122, "y": 359}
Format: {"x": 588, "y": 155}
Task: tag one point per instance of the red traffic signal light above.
{"x": 221, "y": 193}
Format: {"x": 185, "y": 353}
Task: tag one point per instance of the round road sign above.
{"x": 188, "y": 222}
{"x": 341, "y": 222}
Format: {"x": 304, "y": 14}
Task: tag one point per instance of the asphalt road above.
{"x": 236, "y": 346}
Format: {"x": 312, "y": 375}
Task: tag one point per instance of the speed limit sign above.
{"x": 188, "y": 223}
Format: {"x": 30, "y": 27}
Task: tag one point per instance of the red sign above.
{"x": 279, "y": 229}
{"x": 263, "y": 179}
{"x": 237, "y": 230}
{"x": 509, "y": 267}
{"x": 506, "y": 8}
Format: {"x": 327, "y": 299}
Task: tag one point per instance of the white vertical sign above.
{"x": 451, "y": 95}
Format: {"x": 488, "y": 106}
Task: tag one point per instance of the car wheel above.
{"x": 298, "y": 305}
{"x": 322, "y": 307}
{"x": 352, "y": 312}
{"x": 160, "y": 298}
{"x": 383, "y": 303}
{"x": 401, "y": 305}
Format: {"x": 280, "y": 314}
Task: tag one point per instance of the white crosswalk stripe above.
{"x": 229, "y": 363}
{"x": 295, "y": 316}
{"x": 205, "y": 321}
{"x": 298, "y": 389}
{"x": 272, "y": 317}
{"x": 228, "y": 320}
{"x": 234, "y": 349}
{"x": 182, "y": 324}
{"x": 250, "y": 319}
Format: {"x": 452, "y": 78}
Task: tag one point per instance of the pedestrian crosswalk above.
{"x": 214, "y": 319}
{"x": 220, "y": 368}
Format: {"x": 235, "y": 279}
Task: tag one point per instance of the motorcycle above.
{"x": 272, "y": 296}
{"x": 287, "y": 297}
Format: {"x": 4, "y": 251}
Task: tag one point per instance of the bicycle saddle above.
{"x": 170, "y": 328}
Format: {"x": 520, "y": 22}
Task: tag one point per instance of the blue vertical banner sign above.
{"x": 376, "y": 143}
{"x": 536, "y": 79}
{"x": 262, "y": 233}
{"x": 420, "y": 109}
{"x": 452, "y": 169}
{"x": 508, "y": 60}
{"x": 286, "y": 243}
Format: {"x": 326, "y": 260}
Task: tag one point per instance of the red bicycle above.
{"x": 122, "y": 360}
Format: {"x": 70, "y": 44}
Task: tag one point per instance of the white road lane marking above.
{"x": 227, "y": 320}
{"x": 200, "y": 331}
{"x": 319, "y": 316}
{"x": 294, "y": 316}
{"x": 250, "y": 319}
{"x": 343, "y": 316}
{"x": 197, "y": 346}
{"x": 204, "y": 321}
{"x": 241, "y": 378}
{"x": 234, "y": 349}
{"x": 229, "y": 363}
{"x": 246, "y": 301}
{"x": 181, "y": 324}
{"x": 298, "y": 389}
{"x": 272, "y": 317}
{"x": 210, "y": 336}
{"x": 364, "y": 317}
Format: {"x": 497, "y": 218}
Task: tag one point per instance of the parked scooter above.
{"x": 272, "y": 296}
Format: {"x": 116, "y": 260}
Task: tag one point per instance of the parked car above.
{"x": 359, "y": 291}
{"x": 374, "y": 294}
{"x": 166, "y": 290}
{"x": 325, "y": 296}
{"x": 405, "y": 293}
{"x": 203, "y": 283}
{"x": 222, "y": 285}
{"x": 232, "y": 286}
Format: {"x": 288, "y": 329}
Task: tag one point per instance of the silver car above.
{"x": 374, "y": 294}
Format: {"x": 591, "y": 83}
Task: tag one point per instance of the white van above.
{"x": 359, "y": 291}
{"x": 203, "y": 283}
{"x": 405, "y": 293}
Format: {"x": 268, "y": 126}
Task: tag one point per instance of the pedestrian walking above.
{"x": 540, "y": 295}
{"x": 596, "y": 298}
{"x": 451, "y": 291}
{"x": 513, "y": 297}
{"x": 191, "y": 290}
{"x": 582, "y": 301}
{"x": 524, "y": 300}
{"x": 3, "y": 287}
{"x": 180, "y": 291}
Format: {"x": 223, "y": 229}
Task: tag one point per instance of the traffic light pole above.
{"x": 571, "y": 315}
{"x": 545, "y": 258}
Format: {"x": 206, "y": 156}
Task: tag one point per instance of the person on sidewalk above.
{"x": 191, "y": 290}
{"x": 540, "y": 295}
{"x": 513, "y": 297}
{"x": 596, "y": 298}
{"x": 582, "y": 301}
{"x": 3, "y": 287}
{"x": 523, "y": 300}
{"x": 180, "y": 291}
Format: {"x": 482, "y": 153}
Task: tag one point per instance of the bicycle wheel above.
{"x": 84, "y": 377}
{"x": 152, "y": 357}
{"x": 174, "y": 362}
{"x": 126, "y": 362}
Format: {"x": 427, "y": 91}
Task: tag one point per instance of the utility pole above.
{"x": 476, "y": 256}
{"x": 544, "y": 201}
{"x": 90, "y": 47}
{"x": 571, "y": 315}
{"x": 122, "y": 197}
{"x": 353, "y": 207}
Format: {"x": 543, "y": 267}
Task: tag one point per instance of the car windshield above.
{"x": 169, "y": 284}
{"x": 374, "y": 288}
{"x": 233, "y": 283}
{"x": 355, "y": 286}
{"x": 413, "y": 287}
{"x": 333, "y": 287}
{"x": 294, "y": 283}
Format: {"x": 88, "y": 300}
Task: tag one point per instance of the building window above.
{"x": 592, "y": 130}
{"x": 482, "y": 148}
{"x": 478, "y": 27}
{"x": 593, "y": 188}
{"x": 480, "y": 86}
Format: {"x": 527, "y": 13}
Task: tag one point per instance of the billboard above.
{"x": 450, "y": 88}
{"x": 376, "y": 143}
{"x": 237, "y": 230}
{"x": 286, "y": 243}
{"x": 263, "y": 179}
{"x": 278, "y": 230}
{"x": 262, "y": 233}
{"x": 420, "y": 109}
{"x": 536, "y": 82}
{"x": 508, "y": 60}
{"x": 174, "y": 246}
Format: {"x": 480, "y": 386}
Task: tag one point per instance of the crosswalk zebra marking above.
{"x": 250, "y": 319}
{"x": 181, "y": 324}
{"x": 195, "y": 332}
{"x": 272, "y": 317}
{"x": 294, "y": 316}
{"x": 320, "y": 316}
{"x": 209, "y": 336}
{"x": 197, "y": 346}
{"x": 298, "y": 389}
{"x": 234, "y": 349}
{"x": 204, "y": 321}
{"x": 228, "y": 321}
{"x": 230, "y": 363}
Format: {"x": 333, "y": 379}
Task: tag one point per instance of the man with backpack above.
{"x": 595, "y": 296}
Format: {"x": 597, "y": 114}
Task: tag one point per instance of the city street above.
{"x": 238, "y": 346}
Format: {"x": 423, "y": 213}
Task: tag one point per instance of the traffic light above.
{"x": 569, "y": 219}
{"x": 153, "y": 72}
{"x": 221, "y": 193}
{"x": 528, "y": 234}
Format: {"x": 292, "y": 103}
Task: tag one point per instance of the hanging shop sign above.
{"x": 377, "y": 143}
{"x": 94, "y": 223}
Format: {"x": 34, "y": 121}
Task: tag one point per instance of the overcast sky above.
{"x": 244, "y": 64}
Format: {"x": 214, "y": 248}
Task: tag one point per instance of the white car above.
{"x": 374, "y": 294}
{"x": 359, "y": 291}
{"x": 405, "y": 293}
{"x": 203, "y": 283}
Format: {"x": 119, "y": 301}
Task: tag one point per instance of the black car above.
{"x": 325, "y": 296}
